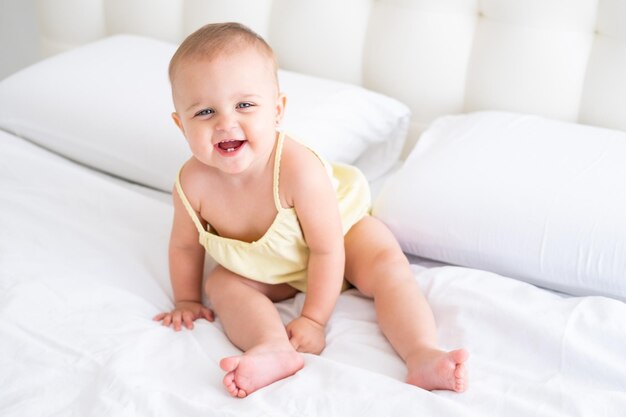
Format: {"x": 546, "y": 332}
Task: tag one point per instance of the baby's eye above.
{"x": 244, "y": 105}
{"x": 204, "y": 112}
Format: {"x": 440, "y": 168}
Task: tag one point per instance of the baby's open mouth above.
{"x": 230, "y": 145}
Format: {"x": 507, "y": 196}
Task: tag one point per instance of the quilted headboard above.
{"x": 559, "y": 58}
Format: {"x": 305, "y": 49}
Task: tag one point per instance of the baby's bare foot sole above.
{"x": 439, "y": 370}
{"x": 251, "y": 371}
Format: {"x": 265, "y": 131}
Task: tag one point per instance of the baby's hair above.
{"x": 218, "y": 38}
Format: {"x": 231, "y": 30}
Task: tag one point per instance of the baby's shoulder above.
{"x": 299, "y": 157}
{"x": 193, "y": 178}
{"x": 300, "y": 165}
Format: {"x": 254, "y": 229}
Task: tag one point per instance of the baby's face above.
{"x": 228, "y": 108}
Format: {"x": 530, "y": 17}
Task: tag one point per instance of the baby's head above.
{"x": 225, "y": 90}
{"x": 218, "y": 39}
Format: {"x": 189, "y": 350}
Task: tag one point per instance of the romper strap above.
{"x": 190, "y": 210}
{"x": 279, "y": 152}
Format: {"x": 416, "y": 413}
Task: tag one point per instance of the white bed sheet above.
{"x": 83, "y": 269}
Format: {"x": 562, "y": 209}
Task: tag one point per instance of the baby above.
{"x": 278, "y": 220}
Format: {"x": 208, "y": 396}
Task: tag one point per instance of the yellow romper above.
{"x": 281, "y": 255}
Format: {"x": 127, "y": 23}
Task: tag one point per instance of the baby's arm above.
{"x": 316, "y": 205}
{"x": 186, "y": 260}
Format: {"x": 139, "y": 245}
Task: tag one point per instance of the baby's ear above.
{"x": 281, "y": 102}
{"x": 178, "y": 122}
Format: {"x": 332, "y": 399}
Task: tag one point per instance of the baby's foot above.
{"x": 437, "y": 369}
{"x": 256, "y": 369}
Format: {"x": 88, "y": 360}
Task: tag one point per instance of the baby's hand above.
{"x": 306, "y": 335}
{"x": 184, "y": 313}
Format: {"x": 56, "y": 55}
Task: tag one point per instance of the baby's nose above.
{"x": 226, "y": 122}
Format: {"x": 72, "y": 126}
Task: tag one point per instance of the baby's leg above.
{"x": 253, "y": 324}
{"x": 376, "y": 265}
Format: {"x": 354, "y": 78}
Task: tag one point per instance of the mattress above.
{"x": 83, "y": 269}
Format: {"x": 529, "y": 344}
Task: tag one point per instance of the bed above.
{"x": 492, "y": 133}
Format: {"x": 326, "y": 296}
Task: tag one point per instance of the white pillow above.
{"x": 345, "y": 123}
{"x": 108, "y": 105}
{"x": 536, "y": 199}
